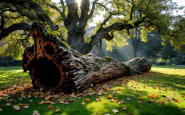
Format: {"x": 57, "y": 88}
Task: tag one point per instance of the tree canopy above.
{"x": 69, "y": 20}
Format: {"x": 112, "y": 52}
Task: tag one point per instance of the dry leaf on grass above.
{"x": 57, "y": 110}
{"x": 109, "y": 96}
{"x": 121, "y": 102}
{"x": 35, "y": 112}
{"x": 115, "y": 111}
{"x": 50, "y": 107}
{"x": 125, "y": 108}
{"x": 160, "y": 101}
{"x": 87, "y": 99}
{"x": 153, "y": 96}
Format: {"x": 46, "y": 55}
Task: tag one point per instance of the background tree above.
{"x": 168, "y": 52}
{"x": 154, "y": 45}
{"x": 135, "y": 40}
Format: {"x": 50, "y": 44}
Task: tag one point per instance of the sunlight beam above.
{"x": 78, "y": 2}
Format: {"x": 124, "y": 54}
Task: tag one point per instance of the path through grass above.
{"x": 159, "y": 92}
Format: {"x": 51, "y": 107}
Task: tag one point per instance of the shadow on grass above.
{"x": 129, "y": 93}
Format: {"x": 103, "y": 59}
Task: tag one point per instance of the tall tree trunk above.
{"x": 52, "y": 66}
{"x": 76, "y": 41}
{"x": 170, "y": 59}
{"x": 134, "y": 51}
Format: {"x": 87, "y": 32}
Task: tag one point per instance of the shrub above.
{"x": 3, "y": 64}
{"x": 11, "y": 63}
{"x": 14, "y": 62}
{"x": 182, "y": 62}
{"x": 161, "y": 63}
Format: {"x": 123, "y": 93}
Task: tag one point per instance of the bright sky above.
{"x": 100, "y": 18}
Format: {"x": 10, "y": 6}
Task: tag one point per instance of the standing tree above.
{"x": 154, "y": 45}
{"x": 122, "y": 15}
{"x": 168, "y": 52}
{"x": 135, "y": 40}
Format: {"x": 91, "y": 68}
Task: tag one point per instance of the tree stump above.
{"x": 54, "y": 67}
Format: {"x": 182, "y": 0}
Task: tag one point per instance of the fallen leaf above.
{"x": 118, "y": 89}
{"x": 50, "y": 107}
{"x": 57, "y": 110}
{"x": 98, "y": 99}
{"x": 24, "y": 105}
{"x": 4, "y": 87}
{"x": 165, "y": 89}
{"x": 87, "y": 99}
{"x": 121, "y": 102}
{"x": 112, "y": 100}
{"x": 117, "y": 100}
{"x": 160, "y": 101}
{"x": 48, "y": 102}
{"x": 108, "y": 88}
{"x": 109, "y": 96}
{"x": 176, "y": 100}
{"x": 35, "y": 112}
{"x": 16, "y": 107}
{"x": 153, "y": 96}
{"x": 8, "y": 104}
{"x": 125, "y": 108}
{"x": 128, "y": 98}
{"x": 115, "y": 111}
{"x": 140, "y": 99}
{"x": 62, "y": 101}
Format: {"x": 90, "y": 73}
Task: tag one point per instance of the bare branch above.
{"x": 148, "y": 5}
{"x": 92, "y": 10}
{"x": 29, "y": 4}
{"x": 62, "y": 2}
{"x": 104, "y": 7}
{"x": 132, "y": 10}
{"x": 105, "y": 21}
{"x": 14, "y": 27}
{"x": 57, "y": 9}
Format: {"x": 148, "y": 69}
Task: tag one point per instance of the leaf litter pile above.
{"x": 138, "y": 91}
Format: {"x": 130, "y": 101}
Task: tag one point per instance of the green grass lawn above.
{"x": 165, "y": 83}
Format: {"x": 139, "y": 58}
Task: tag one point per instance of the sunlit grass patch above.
{"x": 160, "y": 92}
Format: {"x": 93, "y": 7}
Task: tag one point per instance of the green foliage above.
{"x": 168, "y": 51}
{"x": 15, "y": 45}
{"x": 161, "y": 63}
{"x": 118, "y": 41}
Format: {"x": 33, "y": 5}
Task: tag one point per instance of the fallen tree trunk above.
{"x": 55, "y": 67}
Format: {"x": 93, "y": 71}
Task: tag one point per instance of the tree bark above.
{"x": 55, "y": 67}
